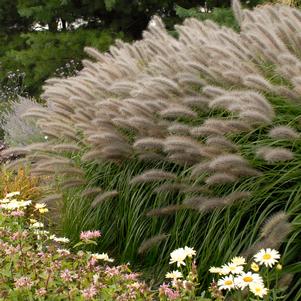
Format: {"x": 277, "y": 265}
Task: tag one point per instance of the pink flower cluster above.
{"x": 170, "y": 293}
{"x": 88, "y": 235}
{"x": 23, "y": 282}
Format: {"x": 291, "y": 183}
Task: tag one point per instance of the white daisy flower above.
{"x": 40, "y": 205}
{"x": 37, "y": 225}
{"x": 189, "y": 251}
{"x": 10, "y": 206}
{"x": 174, "y": 275}
{"x": 24, "y": 203}
{"x": 238, "y": 260}
{"x": 63, "y": 251}
{"x": 258, "y": 289}
{"x": 178, "y": 256}
{"x": 61, "y": 239}
{"x": 267, "y": 257}
{"x": 226, "y": 283}
{"x": 232, "y": 268}
{"x": 102, "y": 256}
{"x": 5, "y": 201}
{"x": 245, "y": 279}
{"x": 11, "y": 194}
{"x": 215, "y": 270}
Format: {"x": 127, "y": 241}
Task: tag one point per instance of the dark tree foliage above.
{"x": 10, "y": 20}
{"x": 21, "y": 48}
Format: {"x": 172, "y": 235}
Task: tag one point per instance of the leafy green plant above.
{"x": 34, "y": 267}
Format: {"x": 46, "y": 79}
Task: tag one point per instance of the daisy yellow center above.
{"x": 257, "y": 289}
{"x": 267, "y": 256}
{"x": 228, "y": 282}
{"x": 248, "y": 279}
{"x": 232, "y": 268}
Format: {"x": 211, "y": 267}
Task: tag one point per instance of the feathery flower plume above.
{"x": 51, "y": 198}
{"x": 149, "y": 243}
{"x": 73, "y": 183}
{"x": 152, "y": 176}
{"x": 221, "y": 178}
{"x": 284, "y": 132}
{"x": 177, "y": 112}
{"x": 91, "y": 191}
{"x": 221, "y": 142}
{"x": 102, "y": 197}
{"x": 202, "y": 203}
{"x": 148, "y": 143}
{"x": 66, "y": 148}
{"x": 272, "y": 222}
{"x": 224, "y": 162}
{"x": 275, "y": 154}
{"x": 171, "y": 209}
{"x": 170, "y": 188}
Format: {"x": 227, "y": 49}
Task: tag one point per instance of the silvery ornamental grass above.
{"x": 213, "y": 110}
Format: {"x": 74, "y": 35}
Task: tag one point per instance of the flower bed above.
{"x": 35, "y": 265}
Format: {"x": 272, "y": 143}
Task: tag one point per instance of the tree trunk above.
{"x": 64, "y": 24}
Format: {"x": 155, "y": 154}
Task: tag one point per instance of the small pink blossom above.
{"x": 87, "y": 235}
{"x": 17, "y": 213}
{"x": 92, "y": 262}
{"x": 41, "y": 292}
{"x": 168, "y": 292}
{"x": 112, "y": 271}
{"x": 89, "y": 293}
{"x": 68, "y": 276}
{"x": 131, "y": 276}
{"x": 23, "y": 282}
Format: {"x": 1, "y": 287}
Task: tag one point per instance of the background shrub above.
{"x": 43, "y": 52}
{"x": 19, "y": 131}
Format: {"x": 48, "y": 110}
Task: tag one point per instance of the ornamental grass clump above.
{"x": 214, "y": 115}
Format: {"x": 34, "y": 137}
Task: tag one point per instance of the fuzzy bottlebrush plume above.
{"x": 275, "y": 154}
{"x": 91, "y": 191}
{"x": 102, "y": 197}
{"x": 202, "y": 203}
{"x": 153, "y": 175}
{"x": 224, "y": 162}
{"x": 151, "y": 242}
{"x": 66, "y": 148}
{"x": 279, "y": 218}
{"x": 171, "y": 209}
{"x": 73, "y": 183}
{"x": 273, "y": 233}
{"x": 51, "y": 198}
{"x": 221, "y": 142}
{"x": 170, "y": 188}
{"x": 148, "y": 143}
{"x": 237, "y": 9}
{"x": 220, "y": 178}
{"x": 200, "y": 169}
{"x": 284, "y": 132}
